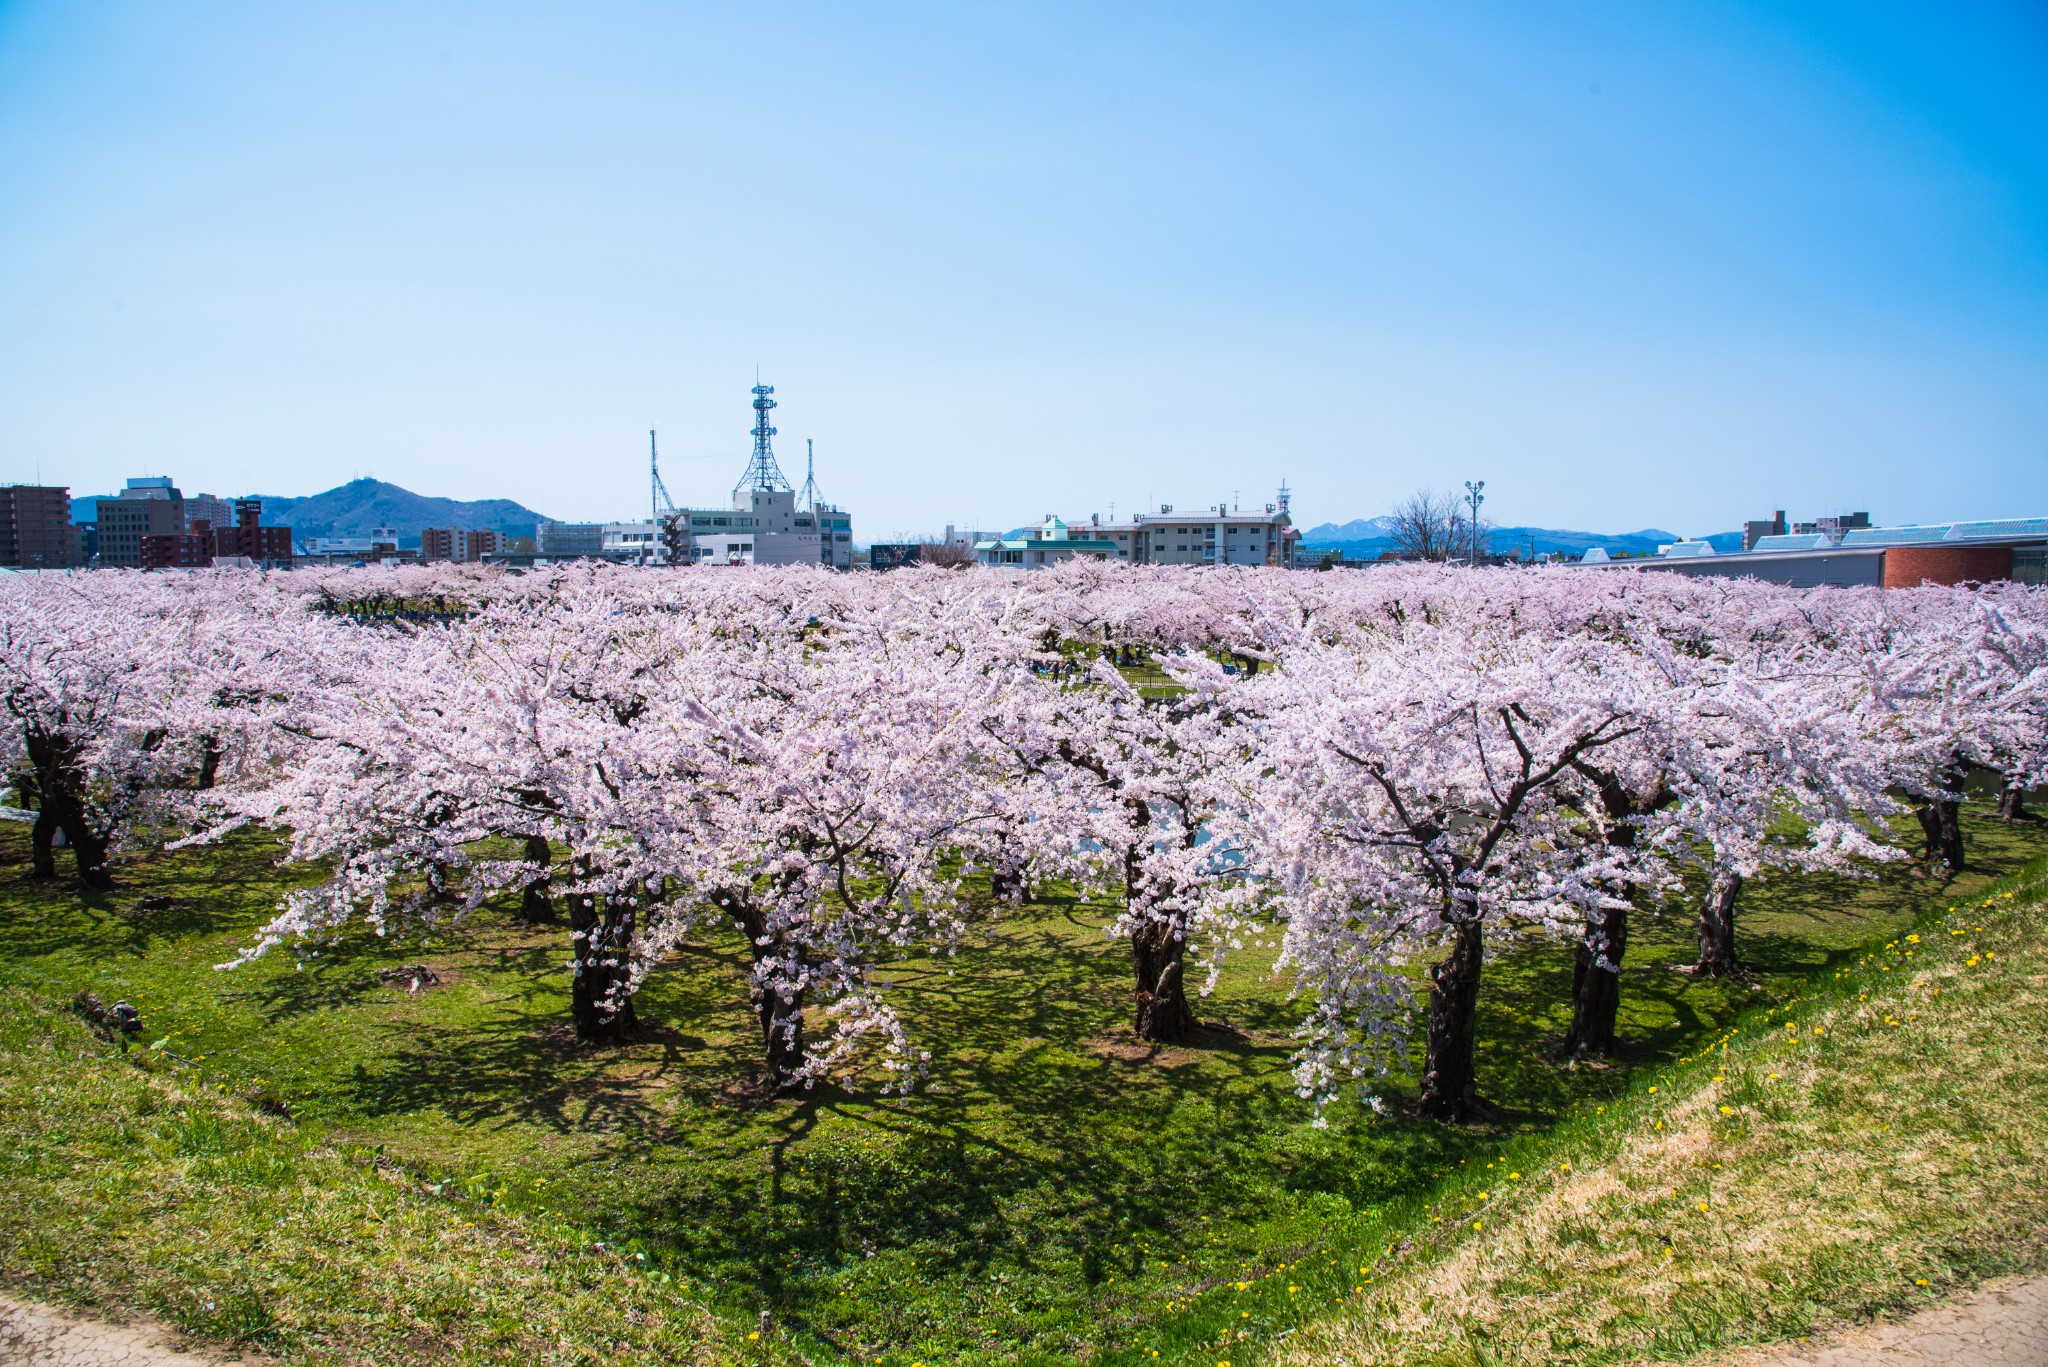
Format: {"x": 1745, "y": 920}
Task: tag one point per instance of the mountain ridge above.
{"x": 1369, "y": 538}
{"x": 352, "y": 509}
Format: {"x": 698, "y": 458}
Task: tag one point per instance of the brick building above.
{"x": 202, "y": 543}
{"x": 186, "y": 550}
{"x": 35, "y": 528}
{"x": 271, "y": 546}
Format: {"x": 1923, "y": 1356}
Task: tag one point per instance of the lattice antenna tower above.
{"x": 762, "y": 471}
{"x": 658, "y": 500}
{"x": 808, "y": 499}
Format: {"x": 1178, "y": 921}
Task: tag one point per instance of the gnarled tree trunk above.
{"x": 1717, "y": 928}
{"x": 1450, "y": 1081}
{"x": 1156, "y": 956}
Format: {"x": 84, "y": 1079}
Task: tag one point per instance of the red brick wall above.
{"x": 1908, "y": 567}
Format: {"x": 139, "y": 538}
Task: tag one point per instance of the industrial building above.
{"x": 1848, "y": 551}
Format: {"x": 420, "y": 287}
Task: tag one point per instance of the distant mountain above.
{"x": 1368, "y": 539}
{"x": 357, "y": 506}
{"x": 1358, "y": 529}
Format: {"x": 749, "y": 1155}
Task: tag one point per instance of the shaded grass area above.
{"x": 1055, "y": 1192}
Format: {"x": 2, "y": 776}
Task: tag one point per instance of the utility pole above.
{"x": 1475, "y": 494}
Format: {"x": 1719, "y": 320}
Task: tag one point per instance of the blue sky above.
{"x": 1635, "y": 265}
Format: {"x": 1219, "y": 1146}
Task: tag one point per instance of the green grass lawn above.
{"x": 1054, "y": 1192}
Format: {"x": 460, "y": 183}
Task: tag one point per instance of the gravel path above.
{"x": 35, "y": 1336}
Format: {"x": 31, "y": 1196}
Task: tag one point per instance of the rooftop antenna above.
{"x": 657, "y": 496}
{"x": 762, "y": 472}
{"x": 809, "y": 498}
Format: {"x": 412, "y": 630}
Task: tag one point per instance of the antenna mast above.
{"x": 762, "y": 471}
{"x": 808, "y": 500}
{"x": 657, "y": 496}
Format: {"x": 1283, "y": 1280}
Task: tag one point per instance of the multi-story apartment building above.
{"x": 151, "y": 506}
{"x": 35, "y": 528}
{"x": 214, "y": 512}
{"x": 459, "y": 544}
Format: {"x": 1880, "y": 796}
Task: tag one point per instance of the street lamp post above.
{"x": 1473, "y": 492}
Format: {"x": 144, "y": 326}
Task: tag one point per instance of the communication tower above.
{"x": 762, "y": 471}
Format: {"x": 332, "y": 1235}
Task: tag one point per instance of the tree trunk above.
{"x": 89, "y": 850}
{"x": 1951, "y": 827}
{"x": 536, "y": 906}
{"x": 1717, "y": 928}
{"x": 782, "y": 1034}
{"x": 41, "y": 844}
{"x": 779, "y": 1010}
{"x": 1156, "y": 954}
{"x": 1450, "y": 1087}
{"x": 2012, "y": 803}
{"x": 1941, "y": 823}
{"x": 601, "y": 1001}
{"x": 1596, "y": 983}
{"x": 209, "y": 764}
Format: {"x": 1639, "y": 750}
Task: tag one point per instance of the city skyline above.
{"x": 1671, "y": 268}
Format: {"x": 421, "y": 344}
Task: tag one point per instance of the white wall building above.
{"x": 1219, "y": 535}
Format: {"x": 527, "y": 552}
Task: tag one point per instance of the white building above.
{"x": 381, "y": 541}
{"x": 1219, "y": 535}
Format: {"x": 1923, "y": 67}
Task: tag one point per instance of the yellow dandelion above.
{"x": 1479, "y": 1224}
{"x": 1727, "y": 1110}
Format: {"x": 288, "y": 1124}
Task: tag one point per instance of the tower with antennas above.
{"x": 763, "y": 474}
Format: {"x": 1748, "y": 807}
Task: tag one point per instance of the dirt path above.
{"x": 35, "y": 1336}
{"x": 2004, "y": 1324}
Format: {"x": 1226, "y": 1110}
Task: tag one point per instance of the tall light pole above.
{"x": 1473, "y": 493}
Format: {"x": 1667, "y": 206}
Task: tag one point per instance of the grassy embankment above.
{"x": 1055, "y": 1193}
{"x": 1868, "y": 1148}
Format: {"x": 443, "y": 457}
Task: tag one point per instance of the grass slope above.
{"x": 1868, "y": 1149}
{"x": 130, "y": 1189}
{"x": 1055, "y": 1194}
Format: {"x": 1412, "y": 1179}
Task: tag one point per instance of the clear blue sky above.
{"x": 1652, "y": 264}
